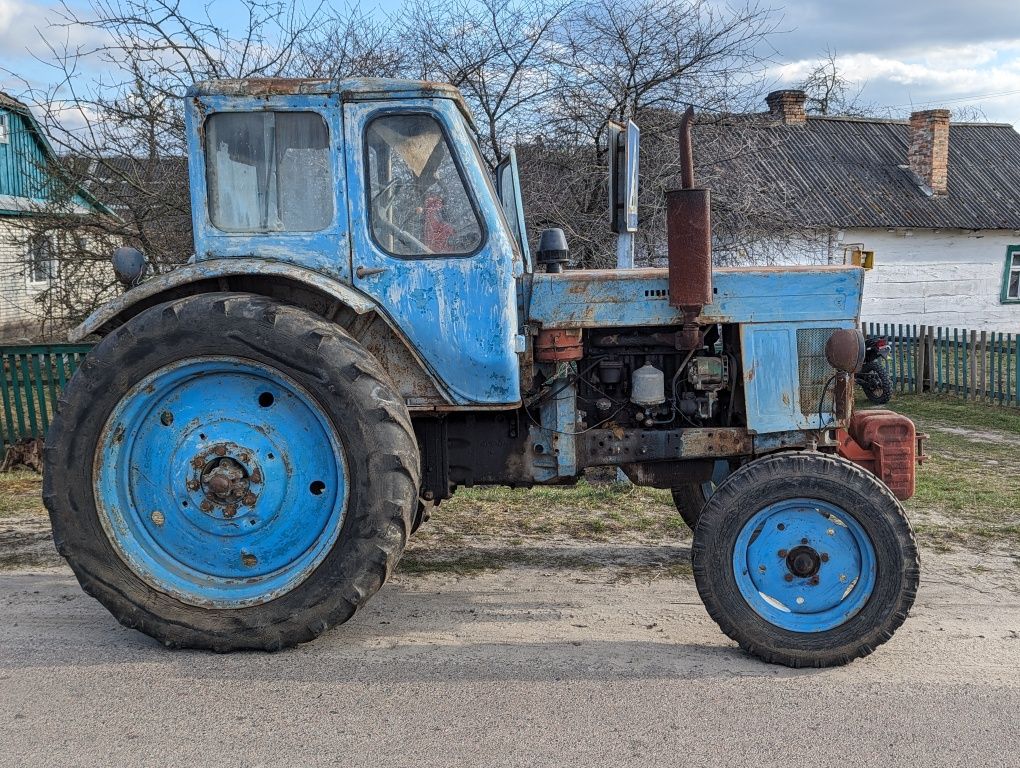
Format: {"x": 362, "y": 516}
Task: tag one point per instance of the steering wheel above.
{"x": 416, "y": 246}
{"x": 390, "y": 190}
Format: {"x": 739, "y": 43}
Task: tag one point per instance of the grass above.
{"x": 968, "y": 490}
{"x": 584, "y": 512}
{"x": 20, "y": 492}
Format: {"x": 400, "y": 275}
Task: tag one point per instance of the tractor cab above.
{"x": 378, "y": 184}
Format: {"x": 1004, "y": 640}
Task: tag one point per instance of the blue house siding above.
{"x": 22, "y": 160}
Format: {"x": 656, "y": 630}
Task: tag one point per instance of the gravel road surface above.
{"x": 522, "y": 667}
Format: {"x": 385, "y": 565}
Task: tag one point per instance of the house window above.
{"x": 4, "y": 128}
{"x": 42, "y": 264}
{"x": 1011, "y": 276}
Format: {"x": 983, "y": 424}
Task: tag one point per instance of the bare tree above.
{"x": 495, "y": 51}
{"x": 645, "y": 60}
{"x": 830, "y": 92}
{"x": 114, "y": 110}
{"x": 351, "y": 43}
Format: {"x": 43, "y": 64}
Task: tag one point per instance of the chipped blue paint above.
{"x": 639, "y": 297}
{"x": 553, "y": 447}
{"x": 846, "y": 565}
{"x": 154, "y": 497}
{"x": 458, "y": 311}
{"x": 772, "y": 386}
{"x": 326, "y": 251}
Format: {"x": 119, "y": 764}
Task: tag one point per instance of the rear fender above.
{"x": 362, "y": 317}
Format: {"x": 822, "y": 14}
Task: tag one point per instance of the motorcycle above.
{"x": 873, "y": 378}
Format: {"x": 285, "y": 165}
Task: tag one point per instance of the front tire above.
{"x": 805, "y": 560}
{"x": 226, "y": 472}
{"x": 690, "y": 498}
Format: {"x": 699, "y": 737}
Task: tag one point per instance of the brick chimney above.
{"x": 787, "y": 106}
{"x": 929, "y": 148}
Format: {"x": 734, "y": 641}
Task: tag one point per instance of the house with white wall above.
{"x": 30, "y": 257}
{"x": 937, "y": 201}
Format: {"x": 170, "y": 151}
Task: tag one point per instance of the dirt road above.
{"x": 526, "y": 666}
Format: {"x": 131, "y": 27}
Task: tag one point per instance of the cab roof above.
{"x": 349, "y": 89}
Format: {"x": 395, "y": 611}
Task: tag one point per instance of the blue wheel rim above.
{"x": 220, "y": 481}
{"x": 804, "y": 565}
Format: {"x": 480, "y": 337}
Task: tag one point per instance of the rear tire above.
{"x": 805, "y": 560}
{"x": 316, "y": 370}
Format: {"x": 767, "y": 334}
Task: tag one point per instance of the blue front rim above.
{"x": 220, "y": 481}
{"x": 804, "y": 565}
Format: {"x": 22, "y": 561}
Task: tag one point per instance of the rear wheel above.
{"x": 226, "y": 472}
{"x": 874, "y": 380}
{"x": 805, "y": 560}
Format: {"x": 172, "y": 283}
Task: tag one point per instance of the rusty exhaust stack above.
{"x": 689, "y": 241}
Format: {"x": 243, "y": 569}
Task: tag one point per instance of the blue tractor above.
{"x": 239, "y": 462}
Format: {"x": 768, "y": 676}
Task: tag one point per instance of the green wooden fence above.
{"x": 33, "y": 379}
{"x": 982, "y": 366}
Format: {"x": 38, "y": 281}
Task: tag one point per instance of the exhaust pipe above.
{"x": 689, "y": 242}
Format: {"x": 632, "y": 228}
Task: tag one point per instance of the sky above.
{"x": 901, "y": 54}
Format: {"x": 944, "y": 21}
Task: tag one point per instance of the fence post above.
{"x": 983, "y": 369}
{"x": 972, "y": 362}
{"x": 919, "y": 361}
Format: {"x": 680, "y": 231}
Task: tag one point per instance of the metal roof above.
{"x": 853, "y": 172}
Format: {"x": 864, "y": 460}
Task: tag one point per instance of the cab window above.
{"x": 269, "y": 172}
{"x": 417, "y": 200}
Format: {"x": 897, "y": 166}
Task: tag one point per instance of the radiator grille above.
{"x": 814, "y": 370}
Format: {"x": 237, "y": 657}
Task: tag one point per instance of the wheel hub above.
{"x": 225, "y": 481}
{"x": 804, "y": 565}
{"x": 803, "y": 562}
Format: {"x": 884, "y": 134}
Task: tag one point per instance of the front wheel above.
{"x": 226, "y": 472}
{"x": 690, "y": 498}
{"x": 805, "y": 560}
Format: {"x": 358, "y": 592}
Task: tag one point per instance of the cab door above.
{"x": 430, "y": 245}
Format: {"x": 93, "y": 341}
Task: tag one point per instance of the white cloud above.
{"x": 985, "y": 77}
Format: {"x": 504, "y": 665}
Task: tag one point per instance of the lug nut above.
{"x": 825, "y": 557}
{"x": 782, "y": 553}
{"x": 205, "y": 506}
{"x": 249, "y": 499}
{"x": 230, "y": 511}
{"x": 157, "y": 517}
{"x": 788, "y": 577}
{"x": 193, "y": 485}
